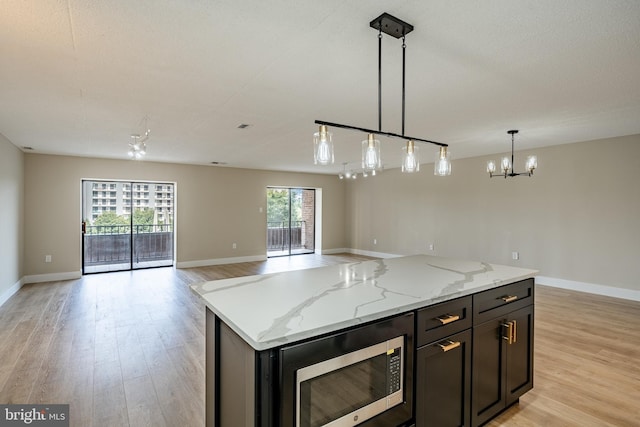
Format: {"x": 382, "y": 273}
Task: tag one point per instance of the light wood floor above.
{"x": 127, "y": 349}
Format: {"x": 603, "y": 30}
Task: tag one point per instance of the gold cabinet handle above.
{"x": 448, "y": 318}
{"x": 448, "y": 345}
{"x": 509, "y": 298}
{"x": 514, "y": 338}
{"x": 511, "y": 335}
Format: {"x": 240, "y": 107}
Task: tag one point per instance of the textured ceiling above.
{"x": 78, "y": 77}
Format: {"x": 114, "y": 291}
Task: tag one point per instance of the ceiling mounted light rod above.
{"x": 376, "y": 132}
{"x": 398, "y": 29}
{"x": 506, "y": 165}
{"x": 404, "y": 50}
{"x": 380, "y": 80}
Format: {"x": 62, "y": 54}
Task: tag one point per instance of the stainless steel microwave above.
{"x": 358, "y": 377}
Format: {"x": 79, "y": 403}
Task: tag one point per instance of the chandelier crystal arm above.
{"x": 377, "y": 132}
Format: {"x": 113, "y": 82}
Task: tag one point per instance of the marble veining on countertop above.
{"x": 274, "y": 309}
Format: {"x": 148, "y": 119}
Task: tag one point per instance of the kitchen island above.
{"x": 251, "y": 319}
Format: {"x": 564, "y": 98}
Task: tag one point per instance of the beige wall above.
{"x": 11, "y": 215}
{"x": 216, "y": 206}
{"x": 577, "y": 219}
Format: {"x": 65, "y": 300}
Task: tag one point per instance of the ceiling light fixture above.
{"x": 410, "y": 162}
{"x": 371, "y": 159}
{"x": 322, "y": 147}
{"x": 138, "y": 145}
{"x": 506, "y": 165}
{"x": 442, "y": 166}
{"x": 350, "y": 173}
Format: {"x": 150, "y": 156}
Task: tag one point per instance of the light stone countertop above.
{"x": 271, "y": 310}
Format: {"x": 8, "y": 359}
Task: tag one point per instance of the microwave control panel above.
{"x": 394, "y": 359}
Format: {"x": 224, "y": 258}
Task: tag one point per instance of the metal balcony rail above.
{"x": 112, "y": 244}
{"x": 103, "y": 230}
{"x": 279, "y": 235}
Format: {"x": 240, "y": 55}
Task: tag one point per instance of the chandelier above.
{"x": 138, "y": 145}
{"x": 506, "y": 165}
{"x": 371, "y": 158}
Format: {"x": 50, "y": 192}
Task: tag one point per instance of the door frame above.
{"x": 316, "y": 192}
{"x": 131, "y": 248}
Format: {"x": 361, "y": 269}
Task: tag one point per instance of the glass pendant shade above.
{"x": 532, "y": 163}
{"x": 505, "y": 165}
{"x": 410, "y": 162}
{"x": 442, "y": 167}
{"x": 323, "y": 147}
{"x": 491, "y": 167}
{"x": 371, "y": 159}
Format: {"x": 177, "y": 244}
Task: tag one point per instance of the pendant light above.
{"x": 442, "y": 166}
{"x": 410, "y": 161}
{"x": 506, "y": 164}
{"x": 323, "y": 147}
{"x": 371, "y": 158}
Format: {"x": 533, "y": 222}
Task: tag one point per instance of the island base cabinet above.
{"x": 443, "y": 382}
{"x": 502, "y": 363}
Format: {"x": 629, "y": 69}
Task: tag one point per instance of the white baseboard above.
{"x": 9, "y": 292}
{"x": 373, "y": 254}
{"x": 52, "y": 277}
{"x": 219, "y": 261}
{"x": 334, "y": 251}
{"x": 592, "y": 288}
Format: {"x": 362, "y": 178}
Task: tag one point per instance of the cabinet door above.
{"x": 489, "y": 376}
{"x": 443, "y": 382}
{"x": 520, "y": 355}
{"x": 502, "y": 363}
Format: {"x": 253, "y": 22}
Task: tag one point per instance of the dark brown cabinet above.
{"x": 443, "y": 382}
{"x": 502, "y": 361}
{"x": 472, "y": 357}
{"x": 443, "y": 364}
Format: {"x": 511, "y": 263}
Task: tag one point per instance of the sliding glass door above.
{"x": 290, "y": 221}
{"x": 126, "y": 225}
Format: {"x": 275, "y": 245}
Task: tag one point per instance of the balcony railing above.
{"x": 279, "y": 234}
{"x": 111, "y": 244}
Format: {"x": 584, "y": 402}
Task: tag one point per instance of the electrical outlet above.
{"x": 47, "y": 258}
{"x": 430, "y": 246}
{"x": 375, "y": 241}
{"x": 234, "y": 246}
{"x": 515, "y": 255}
